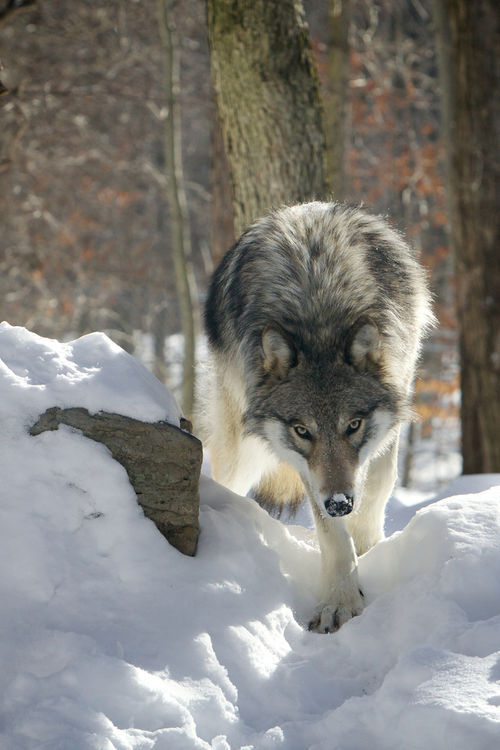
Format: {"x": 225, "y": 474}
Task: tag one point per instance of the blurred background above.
{"x": 85, "y": 236}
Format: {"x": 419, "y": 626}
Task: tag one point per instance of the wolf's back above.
{"x": 314, "y": 270}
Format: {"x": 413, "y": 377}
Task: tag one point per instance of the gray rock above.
{"x": 162, "y": 461}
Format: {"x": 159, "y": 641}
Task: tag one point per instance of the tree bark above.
{"x": 468, "y": 44}
{"x": 176, "y": 196}
{"x": 268, "y": 98}
{"x": 335, "y": 98}
{"x": 222, "y": 231}
{"x": 163, "y": 464}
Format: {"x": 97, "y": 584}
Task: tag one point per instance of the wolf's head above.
{"x": 325, "y": 415}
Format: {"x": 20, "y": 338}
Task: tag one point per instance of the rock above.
{"x": 162, "y": 461}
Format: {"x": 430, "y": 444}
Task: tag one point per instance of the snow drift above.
{"x": 110, "y": 638}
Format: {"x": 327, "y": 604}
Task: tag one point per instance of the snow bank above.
{"x": 111, "y": 639}
{"x": 91, "y": 372}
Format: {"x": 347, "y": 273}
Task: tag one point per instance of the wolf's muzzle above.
{"x": 339, "y": 504}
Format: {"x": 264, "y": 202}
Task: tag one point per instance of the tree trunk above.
{"x": 468, "y": 44}
{"x": 181, "y": 241}
{"x": 222, "y": 231}
{"x": 268, "y": 98}
{"x": 335, "y": 94}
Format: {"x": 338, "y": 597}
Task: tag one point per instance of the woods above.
{"x": 87, "y": 184}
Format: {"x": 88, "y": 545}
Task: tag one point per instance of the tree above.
{"x": 335, "y": 95}
{"x": 268, "y": 98}
{"x": 222, "y": 220}
{"x": 181, "y": 244}
{"x": 468, "y": 42}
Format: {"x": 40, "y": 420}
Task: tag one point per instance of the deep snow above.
{"x": 110, "y": 638}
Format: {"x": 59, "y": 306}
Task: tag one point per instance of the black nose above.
{"x": 339, "y": 504}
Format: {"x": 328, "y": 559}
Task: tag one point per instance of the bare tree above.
{"x": 468, "y": 40}
{"x": 268, "y": 98}
{"x": 179, "y": 222}
{"x": 335, "y": 93}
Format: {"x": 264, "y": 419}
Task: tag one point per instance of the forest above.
{"x": 119, "y": 181}
{"x": 137, "y": 140}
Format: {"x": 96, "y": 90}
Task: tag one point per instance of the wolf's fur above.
{"x": 314, "y": 320}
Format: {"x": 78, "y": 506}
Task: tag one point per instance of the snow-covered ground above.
{"x": 110, "y": 638}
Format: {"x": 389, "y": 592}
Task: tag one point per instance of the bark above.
{"x": 335, "y": 95}
{"x": 163, "y": 464}
{"x": 222, "y": 235}
{"x": 176, "y": 196}
{"x": 268, "y": 98}
{"x": 468, "y": 44}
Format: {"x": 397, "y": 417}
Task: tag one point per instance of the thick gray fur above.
{"x": 315, "y": 319}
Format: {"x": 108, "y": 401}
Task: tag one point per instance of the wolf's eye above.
{"x": 302, "y": 431}
{"x": 354, "y": 425}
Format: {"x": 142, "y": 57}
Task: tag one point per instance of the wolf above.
{"x": 314, "y": 321}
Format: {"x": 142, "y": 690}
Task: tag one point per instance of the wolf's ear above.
{"x": 363, "y": 346}
{"x": 279, "y": 353}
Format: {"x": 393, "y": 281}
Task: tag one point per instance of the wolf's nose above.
{"x": 339, "y": 504}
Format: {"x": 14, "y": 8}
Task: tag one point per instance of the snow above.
{"x": 91, "y": 372}
{"x": 111, "y": 639}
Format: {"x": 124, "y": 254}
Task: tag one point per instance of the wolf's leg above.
{"x": 341, "y": 598}
{"x": 237, "y": 460}
{"x": 280, "y": 488}
{"x": 224, "y": 463}
{"x": 366, "y": 524}
{"x": 224, "y": 434}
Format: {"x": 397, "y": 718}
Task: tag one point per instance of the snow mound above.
{"x": 91, "y": 372}
{"x": 111, "y": 639}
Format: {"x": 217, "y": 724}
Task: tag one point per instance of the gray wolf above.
{"x": 314, "y": 321}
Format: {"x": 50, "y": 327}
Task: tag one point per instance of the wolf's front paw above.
{"x": 330, "y": 616}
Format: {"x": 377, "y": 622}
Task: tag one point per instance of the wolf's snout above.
{"x": 339, "y": 504}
